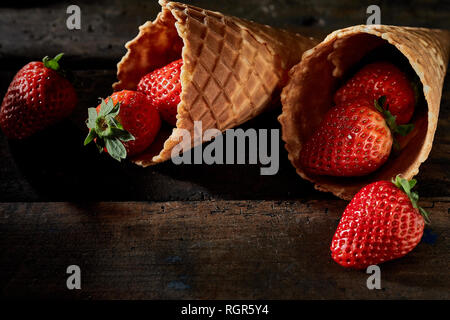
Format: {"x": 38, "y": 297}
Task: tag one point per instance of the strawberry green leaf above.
{"x": 107, "y": 130}
{"x": 116, "y": 149}
{"x": 109, "y": 105}
{"x": 105, "y": 107}
{"x": 378, "y": 106}
{"x": 52, "y": 63}
{"x": 118, "y": 124}
{"x": 92, "y": 117}
{"x": 412, "y": 183}
{"x": 406, "y": 186}
{"x": 414, "y": 198}
{"x": 58, "y": 56}
{"x": 425, "y": 215}
{"x": 404, "y": 129}
{"x": 90, "y": 137}
{"x": 102, "y": 108}
{"x": 112, "y": 122}
{"x": 391, "y": 122}
{"x": 122, "y": 135}
{"x": 390, "y": 119}
{"x": 115, "y": 110}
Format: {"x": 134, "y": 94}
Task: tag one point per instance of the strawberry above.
{"x": 353, "y": 139}
{"x": 124, "y": 124}
{"x": 37, "y": 97}
{"x": 164, "y": 87}
{"x": 381, "y": 79}
{"x": 382, "y": 222}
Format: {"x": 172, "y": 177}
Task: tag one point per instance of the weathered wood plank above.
{"x": 206, "y": 249}
{"x": 107, "y": 25}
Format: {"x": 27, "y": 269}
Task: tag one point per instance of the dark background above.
{"x": 148, "y": 233}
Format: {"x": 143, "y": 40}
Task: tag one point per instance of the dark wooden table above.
{"x": 189, "y": 231}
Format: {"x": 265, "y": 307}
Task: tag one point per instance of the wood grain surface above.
{"x": 204, "y": 250}
{"x": 189, "y": 231}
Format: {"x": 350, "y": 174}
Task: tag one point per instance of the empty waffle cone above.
{"x": 231, "y": 71}
{"x": 313, "y": 82}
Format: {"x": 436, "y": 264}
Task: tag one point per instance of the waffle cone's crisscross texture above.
{"x": 309, "y": 95}
{"x": 232, "y": 68}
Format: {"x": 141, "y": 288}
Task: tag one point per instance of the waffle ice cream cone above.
{"x": 313, "y": 82}
{"x": 232, "y": 68}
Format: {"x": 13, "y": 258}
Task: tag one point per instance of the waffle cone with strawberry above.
{"x": 230, "y": 70}
{"x": 405, "y": 65}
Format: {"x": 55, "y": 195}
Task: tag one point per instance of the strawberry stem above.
{"x": 55, "y": 66}
{"x": 390, "y": 119}
{"x": 106, "y": 131}
{"x": 53, "y": 63}
{"x": 406, "y": 186}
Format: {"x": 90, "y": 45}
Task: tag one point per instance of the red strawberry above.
{"x": 381, "y": 79}
{"x": 124, "y": 124}
{"x": 353, "y": 139}
{"x": 37, "y": 97}
{"x": 381, "y": 223}
{"x": 164, "y": 87}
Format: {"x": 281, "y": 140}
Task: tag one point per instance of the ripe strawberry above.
{"x": 124, "y": 124}
{"x": 353, "y": 140}
{"x": 381, "y": 79}
{"x": 164, "y": 87}
{"x": 381, "y": 223}
{"x": 37, "y": 97}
